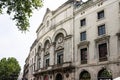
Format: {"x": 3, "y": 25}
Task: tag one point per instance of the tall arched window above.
{"x": 59, "y": 48}
{"x": 47, "y": 54}
{"x": 104, "y": 74}
{"x": 84, "y": 75}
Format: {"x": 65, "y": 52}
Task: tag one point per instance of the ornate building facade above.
{"x": 77, "y": 41}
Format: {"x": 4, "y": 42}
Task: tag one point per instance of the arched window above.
{"x": 59, "y": 48}
{"x": 59, "y": 77}
{"x": 104, "y": 74}
{"x": 46, "y": 54}
{"x": 84, "y": 75}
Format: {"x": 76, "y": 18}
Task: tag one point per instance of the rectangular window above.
{"x": 102, "y": 52}
{"x": 83, "y": 22}
{"x": 60, "y": 57}
{"x": 38, "y": 63}
{"x": 83, "y": 36}
{"x": 119, "y": 7}
{"x": 101, "y": 14}
{"x": 83, "y": 56}
{"x": 47, "y": 62}
{"x": 101, "y": 29}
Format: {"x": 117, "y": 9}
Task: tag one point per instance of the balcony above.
{"x": 56, "y": 67}
{"x": 64, "y": 65}
{"x": 83, "y": 61}
{"x": 101, "y": 59}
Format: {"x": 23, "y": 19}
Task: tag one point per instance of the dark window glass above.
{"x": 84, "y": 56}
{"x": 101, "y": 29}
{"x": 101, "y": 14}
{"x": 60, "y": 57}
{"x": 103, "y": 52}
{"x": 47, "y": 62}
{"x": 38, "y": 63}
{"x": 83, "y": 22}
{"x": 83, "y": 36}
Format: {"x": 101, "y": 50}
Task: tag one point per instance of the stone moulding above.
{"x": 83, "y": 43}
{"x": 101, "y": 38}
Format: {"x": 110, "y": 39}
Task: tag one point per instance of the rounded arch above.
{"x": 39, "y": 46}
{"x": 58, "y": 32}
{"x": 104, "y": 73}
{"x": 84, "y": 75}
{"x": 59, "y": 76}
{"x": 59, "y": 35}
{"x": 45, "y": 40}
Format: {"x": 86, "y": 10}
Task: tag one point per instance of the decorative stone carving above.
{"x": 101, "y": 38}
{"x": 83, "y": 43}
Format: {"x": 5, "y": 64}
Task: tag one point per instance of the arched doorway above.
{"x": 46, "y": 77}
{"x": 104, "y": 74}
{"x": 59, "y": 77}
{"x": 84, "y": 75}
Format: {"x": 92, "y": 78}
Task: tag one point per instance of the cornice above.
{"x": 101, "y": 38}
{"x": 83, "y": 43}
{"x": 87, "y": 5}
{"x": 53, "y": 27}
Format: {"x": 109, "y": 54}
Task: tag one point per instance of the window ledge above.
{"x": 104, "y": 62}
{"x": 102, "y": 37}
{"x": 83, "y": 26}
{"x": 100, "y": 19}
{"x": 82, "y": 43}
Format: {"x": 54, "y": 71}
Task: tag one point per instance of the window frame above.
{"x": 46, "y": 57}
{"x": 84, "y": 61}
{"x": 101, "y": 30}
{"x": 103, "y": 58}
{"x": 101, "y": 14}
{"x": 59, "y": 53}
{"x": 83, "y": 36}
{"x": 83, "y": 22}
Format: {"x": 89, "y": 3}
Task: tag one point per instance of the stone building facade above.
{"x": 26, "y": 69}
{"x": 77, "y": 41}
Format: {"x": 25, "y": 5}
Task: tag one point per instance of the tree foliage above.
{"x": 9, "y": 69}
{"x": 21, "y": 10}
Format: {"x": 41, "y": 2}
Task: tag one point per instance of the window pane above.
{"x": 103, "y": 52}
{"x": 83, "y": 22}
{"x": 60, "y": 57}
{"x": 101, "y": 29}
{"x": 100, "y": 14}
{"x": 83, "y": 36}
{"x": 47, "y": 62}
{"x": 84, "y": 56}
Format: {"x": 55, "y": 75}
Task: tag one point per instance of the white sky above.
{"x": 13, "y": 43}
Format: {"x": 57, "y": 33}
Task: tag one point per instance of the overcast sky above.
{"x": 13, "y": 43}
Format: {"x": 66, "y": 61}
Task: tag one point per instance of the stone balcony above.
{"x": 57, "y": 67}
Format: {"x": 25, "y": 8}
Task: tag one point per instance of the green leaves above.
{"x": 21, "y": 11}
{"x": 9, "y": 67}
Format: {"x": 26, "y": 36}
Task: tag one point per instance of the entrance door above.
{"x": 46, "y": 77}
{"x": 59, "y": 77}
